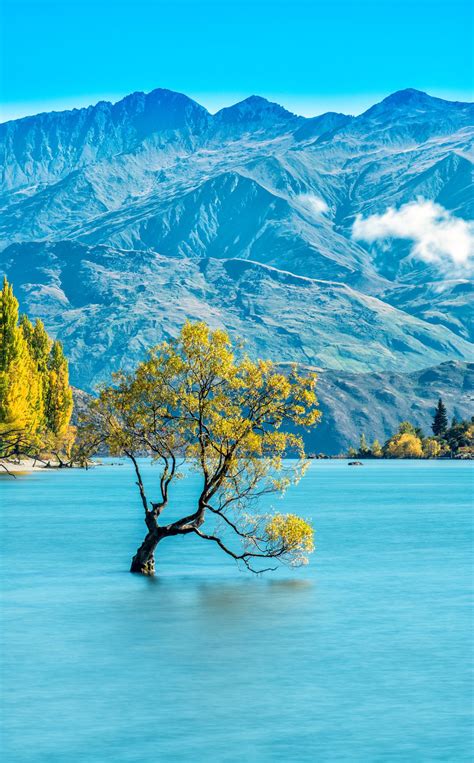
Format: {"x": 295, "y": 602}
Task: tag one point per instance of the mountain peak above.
{"x": 254, "y": 109}
{"x": 407, "y": 96}
{"x": 402, "y": 100}
{"x": 158, "y": 99}
{"x": 414, "y": 100}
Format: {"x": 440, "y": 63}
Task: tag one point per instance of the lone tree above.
{"x": 192, "y": 401}
{"x": 440, "y": 420}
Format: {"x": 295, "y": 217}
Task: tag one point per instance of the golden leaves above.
{"x": 405, "y": 445}
{"x": 233, "y": 419}
{"x": 294, "y": 534}
{"x": 194, "y": 384}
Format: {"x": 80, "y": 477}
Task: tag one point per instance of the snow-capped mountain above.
{"x": 343, "y": 242}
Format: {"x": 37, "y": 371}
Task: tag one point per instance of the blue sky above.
{"x": 310, "y": 56}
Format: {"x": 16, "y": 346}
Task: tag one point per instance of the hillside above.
{"x": 375, "y": 404}
{"x": 337, "y": 241}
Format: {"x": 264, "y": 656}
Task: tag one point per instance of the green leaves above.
{"x": 233, "y": 419}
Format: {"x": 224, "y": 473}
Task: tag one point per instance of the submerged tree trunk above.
{"x": 144, "y": 560}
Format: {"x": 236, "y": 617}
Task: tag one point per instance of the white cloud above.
{"x": 438, "y": 236}
{"x": 312, "y": 204}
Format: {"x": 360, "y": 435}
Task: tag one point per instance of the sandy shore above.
{"x": 24, "y": 466}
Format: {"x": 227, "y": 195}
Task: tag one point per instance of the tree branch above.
{"x": 241, "y": 557}
{"x": 139, "y": 479}
{"x": 10, "y": 474}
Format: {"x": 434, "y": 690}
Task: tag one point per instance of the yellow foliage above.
{"x": 431, "y": 448}
{"x": 20, "y": 399}
{"x": 195, "y": 388}
{"x": 234, "y": 419}
{"x": 405, "y": 446}
{"x": 33, "y": 378}
{"x": 376, "y": 449}
{"x": 59, "y": 401}
{"x": 293, "y": 534}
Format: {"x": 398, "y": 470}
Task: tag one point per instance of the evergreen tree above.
{"x": 458, "y": 436}
{"x": 440, "y": 420}
{"x": 364, "y": 449}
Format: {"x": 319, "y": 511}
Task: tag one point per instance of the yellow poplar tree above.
{"x": 19, "y": 380}
{"x": 376, "y": 449}
{"x": 35, "y": 396}
{"x": 59, "y": 401}
{"x": 39, "y": 345}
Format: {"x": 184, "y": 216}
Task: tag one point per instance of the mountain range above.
{"x": 339, "y": 242}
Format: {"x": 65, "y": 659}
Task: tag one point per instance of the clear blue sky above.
{"x": 307, "y": 54}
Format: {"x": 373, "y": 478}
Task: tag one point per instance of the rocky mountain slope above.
{"x": 376, "y": 403}
{"x": 337, "y": 241}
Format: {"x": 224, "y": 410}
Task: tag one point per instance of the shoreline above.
{"x": 30, "y": 465}
{"x": 26, "y": 466}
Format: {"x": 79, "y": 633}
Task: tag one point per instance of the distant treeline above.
{"x": 35, "y": 395}
{"x": 446, "y": 441}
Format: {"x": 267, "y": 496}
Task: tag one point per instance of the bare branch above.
{"x": 245, "y": 556}
{"x": 10, "y": 474}
{"x": 139, "y": 480}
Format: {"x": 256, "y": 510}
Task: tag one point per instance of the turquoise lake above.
{"x": 364, "y": 655}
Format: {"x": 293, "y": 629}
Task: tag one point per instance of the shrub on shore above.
{"x": 455, "y": 441}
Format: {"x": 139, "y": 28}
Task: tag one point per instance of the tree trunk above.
{"x": 144, "y": 560}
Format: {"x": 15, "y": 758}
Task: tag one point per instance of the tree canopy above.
{"x": 405, "y": 445}
{"x": 233, "y": 420}
{"x": 35, "y": 396}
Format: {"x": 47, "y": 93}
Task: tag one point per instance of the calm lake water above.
{"x": 365, "y": 655}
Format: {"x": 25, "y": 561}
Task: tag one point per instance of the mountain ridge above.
{"x": 142, "y": 213}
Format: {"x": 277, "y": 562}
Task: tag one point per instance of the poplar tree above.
{"x": 39, "y": 346}
{"x": 27, "y": 329}
{"x": 35, "y": 396}
{"x": 59, "y": 401}
{"x": 376, "y": 449}
{"x": 19, "y": 382}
